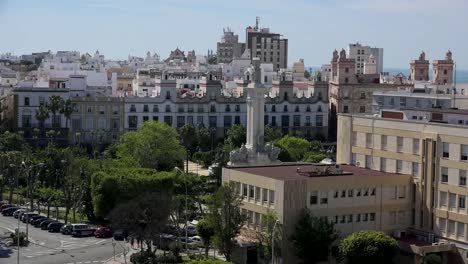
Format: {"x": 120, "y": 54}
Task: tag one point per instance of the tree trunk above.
{"x": 74, "y": 214}
{"x": 67, "y": 211}
{"x": 186, "y": 165}
{"x": 10, "y": 196}
{"x": 48, "y": 209}
{"x": 207, "y": 250}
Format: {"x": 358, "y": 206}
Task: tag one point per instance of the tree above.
{"x": 144, "y": 218}
{"x": 155, "y": 145}
{"x": 272, "y": 134}
{"x": 187, "y": 133}
{"x": 203, "y": 138}
{"x": 432, "y": 258}
{"x": 313, "y": 237}
{"x": 54, "y": 105}
{"x": 67, "y": 108}
{"x": 226, "y": 217}
{"x": 368, "y": 246}
{"x": 236, "y": 136}
{"x": 42, "y": 113}
{"x": 206, "y": 232}
{"x": 10, "y": 173}
{"x": 270, "y": 232}
{"x": 12, "y": 142}
{"x": 295, "y": 148}
{"x": 306, "y": 74}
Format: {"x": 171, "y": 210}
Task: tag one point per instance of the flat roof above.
{"x": 301, "y": 171}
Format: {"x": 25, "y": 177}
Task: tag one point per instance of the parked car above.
{"x": 163, "y": 241}
{"x": 79, "y": 230}
{"x": 103, "y": 232}
{"x": 55, "y": 227}
{"x": 197, "y": 240}
{"x": 45, "y": 224}
{"x": 66, "y": 229}
{"x": 27, "y": 216}
{"x": 34, "y": 218}
{"x": 4, "y": 206}
{"x": 191, "y": 230}
{"x": 9, "y": 211}
{"x": 120, "y": 234}
{"x": 37, "y": 222}
{"x": 16, "y": 214}
{"x": 190, "y": 243}
{"x": 20, "y": 214}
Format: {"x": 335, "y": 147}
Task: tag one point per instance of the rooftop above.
{"x": 299, "y": 171}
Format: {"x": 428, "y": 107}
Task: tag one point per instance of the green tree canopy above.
{"x": 313, "y": 237}
{"x": 293, "y": 148}
{"x": 12, "y": 142}
{"x": 236, "y": 136}
{"x": 206, "y": 231}
{"x": 369, "y": 246}
{"x": 272, "y": 134}
{"x": 155, "y": 145}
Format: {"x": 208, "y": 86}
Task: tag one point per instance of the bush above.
{"x": 22, "y": 239}
{"x": 208, "y": 261}
{"x": 142, "y": 257}
{"x": 204, "y": 158}
{"x": 315, "y": 157}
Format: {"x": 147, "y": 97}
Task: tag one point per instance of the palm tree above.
{"x": 55, "y": 104}
{"x": 42, "y": 113}
{"x": 67, "y": 109}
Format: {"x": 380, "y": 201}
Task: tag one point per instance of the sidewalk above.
{"x": 196, "y": 168}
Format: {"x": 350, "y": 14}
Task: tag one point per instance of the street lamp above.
{"x": 29, "y": 187}
{"x": 273, "y": 242}
{"x": 186, "y": 208}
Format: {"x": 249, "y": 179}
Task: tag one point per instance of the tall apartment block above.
{"x": 361, "y": 55}
{"x": 268, "y": 47}
{"x": 229, "y": 48}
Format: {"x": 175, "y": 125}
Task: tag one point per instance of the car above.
{"x": 55, "y": 227}
{"x": 103, "y": 232}
{"x": 20, "y": 215}
{"x": 197, "y": 240}
{"x": 37, "y": 222}
{"x": 4, "y": 206}
{"x": 16, "y": 214}
{"x": 34, "y": 218}
{"x": 66, "y": 229}
{"x": 9, "y": 211}
{"x": 190, "y": 243}
{"x": 27, "y": 216}
{"x": 45, "y": 224}
{"x": 79, "y": 230}
{"x": 191, "y": 230}
{"x": 163, "y": 241}
{"x": 120, "y": 234}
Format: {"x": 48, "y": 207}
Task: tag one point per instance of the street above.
{"x": 48, "y": 248}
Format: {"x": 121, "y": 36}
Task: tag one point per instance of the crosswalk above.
{"x": 71, "y": 244}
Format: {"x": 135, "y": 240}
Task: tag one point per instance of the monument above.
{"x": 255, "y": 152}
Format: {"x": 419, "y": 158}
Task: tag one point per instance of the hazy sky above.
{"x": 314, "y": 27}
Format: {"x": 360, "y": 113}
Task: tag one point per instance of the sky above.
{"x": 314, "y": 28}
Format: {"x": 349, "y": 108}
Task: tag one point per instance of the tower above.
{"x": 255, "y": 151}
{"x": 346, "y": 69}
{"x": 370, "y": 66}
{"x": 443, "y": 70}
{"x": 419, "y": 69}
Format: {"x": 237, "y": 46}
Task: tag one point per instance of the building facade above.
{"x": 435, "y": 154}
{"x": 268, "y": 47}
{"x": 361, "y": 55}
{"x": 229, "y": 47}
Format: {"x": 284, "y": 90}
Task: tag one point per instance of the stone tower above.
{"x": 346, "y": 69}
{"x": 255, "y": 151}
{"x": 443, "y": 70}
{"x": 370, "y": 66}
{"x": 419, "y": 69}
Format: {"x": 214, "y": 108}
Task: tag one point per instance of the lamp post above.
{"x": 273, "y": 242}
{"x": 29, "y": 186}
{"x": 186, "y": 208}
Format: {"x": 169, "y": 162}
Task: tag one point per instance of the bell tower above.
{"x": 419, "y": 69}
{"x": 443, "y": 70}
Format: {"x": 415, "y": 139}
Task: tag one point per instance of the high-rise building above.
{"x": 229, "y": 48}
{"x": 361, "y": 55}
{"x": 268, "y": 47}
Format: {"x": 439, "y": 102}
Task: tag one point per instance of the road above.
{"x": 48, "y": 248}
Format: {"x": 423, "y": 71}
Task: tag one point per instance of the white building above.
{"x": 361, "y": 55}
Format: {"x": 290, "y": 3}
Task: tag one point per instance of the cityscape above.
{"x": 242, "y": 153}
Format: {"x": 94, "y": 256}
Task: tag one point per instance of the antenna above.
{"x": 256, "y": 23}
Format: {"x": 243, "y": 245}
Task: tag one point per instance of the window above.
{"x": 190, "y": 120}
{"x": 200, "y": 108}
{"x": 26, "y": 101}
{"x": 365, "y": 192}
{"x": 41, "y": 100}
{"x": 452, "y": 200}
{"x": 244, "y": 190}
{"x": 399, "y": 168}
{"x": 132, "y": 108}
{"x": 181, "y": 109}
{"x": 200, "y": 120}
{"x": 132, "y": 121}
{"x": 296, "y": 120}
{"x": 308, "y": 108}
{"x": 168, "y": 109}
{"x": 358, "y": 218}
{"x": 392, "y": 101}
{"x": 372, "y": 217}
{"x": 155, "y": 118}
{"x": 285, "y": 108}
{"x": 343, "y": 193}
{"x": 461, "y": 229}
{"x": 383, "y": 142}
{"x": 346, "y": 69}
{"x": 353, "y": 159}
{"x": 368, "y": 140}
{"x": 319, "y": 120}
{"x": 362, "y": 109}
{"x": 444, "y": 175}
{"x": 145, "y": 108}
{"x": 399, "y": 144}
{"x": 273, "y": 108}
{"x": 451, "y": 227}
{"x": 442, "y": 224}
{"x": 313, "y": 197}
{"x": 415, "y": 171}
{"x": 415, "y": 146}
{"x": 257, "y": 193}
{"x": 445, "y": 150}
{"x": 180, "y": 121}
{"x": 345, "y": 109}
{"x": 323, "y": 197}
{"x": 358, "y": 192}
{"x": 307, "y": 121}
{"x": 272, "y": 197}
{"x": 401, "y": 192}
{"x": 212, "y": 108}
{"x": 342, "y": 219}
{"x": 212, "y": 121}
{"x": 443, "y": 199}
{"x": 155, "y": 108}
{"x": 350, "y": 193}
{"x": 363, "y": 95}
{"x": 336, "y": 219}
{"x": 168, "y": 120}
{"x": 296, "y": 109}
{"x": 319, "y": 108}
{"x": 464, "y": 152}
{"x": 365, "y": 217}
{"x": 228, "y": 108}
{"x": 402, "y": 102}
{"x": 373, "y": 192}
{"x": 251, "y": 191}
{"x": 26, "y": 120}
{"x": 145, "y": 118}
{"x": 368, "y": 162}
{"x": 462, "y": 201}
{"x": 350, "y": 218}
{"x": 237, "y": 120}
{"x": 462, "y": 178}
{"x": 383, "y": 164}
{"x": 265, "y": 195}
{"x": 227, "y": 121}
{"x": 336, "y": 194}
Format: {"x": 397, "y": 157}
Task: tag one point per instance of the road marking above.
{"x": 87, "y": 262}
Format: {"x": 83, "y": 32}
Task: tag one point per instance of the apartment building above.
{"x": 353, "y": 198}
{"x": 229, "y": 47}
{"x": 361, "y": 55}
{"x": 433, "y": 152}
{"x": 268, "y": 47}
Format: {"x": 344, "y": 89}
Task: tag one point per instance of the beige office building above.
{"x": 353, "y": 198}
{"x": 435, "y": 154}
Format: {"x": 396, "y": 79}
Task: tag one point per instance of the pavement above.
{"x": 47, "y": 248}
{"x": 196, "y": 169}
